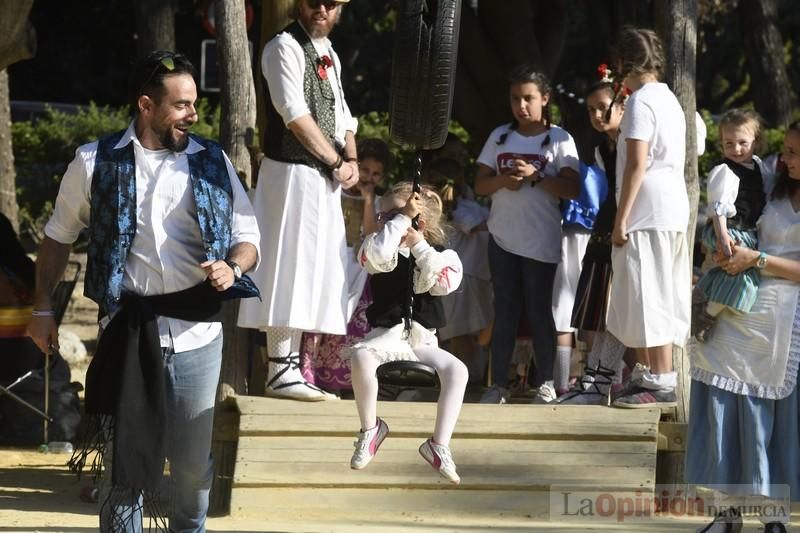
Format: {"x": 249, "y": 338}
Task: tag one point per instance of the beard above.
{"x": 169, "y": 142}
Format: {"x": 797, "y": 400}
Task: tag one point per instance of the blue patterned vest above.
{"x": 112, "y": 224}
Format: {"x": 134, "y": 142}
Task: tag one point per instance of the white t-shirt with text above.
{"x": 527, "y": 222}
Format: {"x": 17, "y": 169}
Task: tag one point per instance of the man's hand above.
{"x": 219, "y": 274}
{"x": 347, "y": 174}
{"x": 44, "y": 333}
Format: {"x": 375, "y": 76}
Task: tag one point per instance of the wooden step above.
{"x": 506, "y": 454}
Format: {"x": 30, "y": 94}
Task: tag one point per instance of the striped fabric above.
{"x": 13, "y": 321}
{"x": 738, "y": 292}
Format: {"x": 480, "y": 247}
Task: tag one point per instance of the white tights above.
{"x": 453, "y": 376}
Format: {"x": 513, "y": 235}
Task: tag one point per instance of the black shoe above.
{"x": 727, "y": 521}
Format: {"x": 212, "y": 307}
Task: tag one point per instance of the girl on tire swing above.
{"x": 385, "y": 254}
{"x": 527, "y": 167}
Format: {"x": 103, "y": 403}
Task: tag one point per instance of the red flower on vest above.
{"x": 323, "y": 64}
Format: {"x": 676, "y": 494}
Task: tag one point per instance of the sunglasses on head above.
{"x": 167, "y": 62}
{"x": 329, "y": 4}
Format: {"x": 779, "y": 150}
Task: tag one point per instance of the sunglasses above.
{"x": 330, "y": 5}
{"x": 167, "y": 62}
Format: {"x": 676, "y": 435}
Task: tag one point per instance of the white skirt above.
{"x": 394, "y": 344}
{"x": 307, "y": 273}
{"x": 573, "y": 246}
{"x": 650, "y": 300}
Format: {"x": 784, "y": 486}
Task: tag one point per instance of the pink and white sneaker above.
{"x": 367, "y": 445}
{"x": 440, "y": 458}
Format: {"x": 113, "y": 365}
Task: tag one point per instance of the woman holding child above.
{"x": 744, "y": 428}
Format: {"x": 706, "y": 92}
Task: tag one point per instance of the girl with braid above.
{"x": 527, "y": 167}
{"x": 649, "y": 306}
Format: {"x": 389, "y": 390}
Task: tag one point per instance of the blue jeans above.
{"x": 516, "y": 281}
{"x": 191, "y": 381}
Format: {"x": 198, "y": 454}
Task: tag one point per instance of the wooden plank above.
{"x": 531, "y": 414}
{"x": 404, "y": 450}
{"x": 672, "y": 436}
{"x": 414, "y": 507}
{"x": 279, "y": 424}
{"x": 421, "y": 475}
{"x": 328, "y": 443}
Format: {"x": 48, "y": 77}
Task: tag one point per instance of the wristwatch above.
{"x": 761, "y": 262}
{"x": 237, "y": 270}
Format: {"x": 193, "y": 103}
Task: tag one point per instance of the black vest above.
{"x": 751, "y": 199}
{"x": 279, "y": 142}
{"x": 389, "y": 291}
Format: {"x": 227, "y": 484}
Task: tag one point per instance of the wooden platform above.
{"x": 293, "y": 461}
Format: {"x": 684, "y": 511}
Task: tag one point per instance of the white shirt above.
{"x": 167, "y": 251}
{"x": 653, "y": 114}
{"x": 527, "y": 222}
{"x": 283, "y": 65}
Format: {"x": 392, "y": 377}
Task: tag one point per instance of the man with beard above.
{"x": 171, "y": 232}
{"x": 310, "y": 156}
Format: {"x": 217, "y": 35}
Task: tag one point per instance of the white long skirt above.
{"x": 307, "y": 273}
{"x": 573, "y": 245}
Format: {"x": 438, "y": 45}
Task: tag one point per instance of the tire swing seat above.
{"x": 423, "y": 78}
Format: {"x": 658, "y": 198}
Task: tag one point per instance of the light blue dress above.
{"x": 746, "y": 435}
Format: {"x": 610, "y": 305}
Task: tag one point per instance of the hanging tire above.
{"x": 423, "y": 72}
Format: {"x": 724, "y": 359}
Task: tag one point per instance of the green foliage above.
{"x": 44, "y": 147}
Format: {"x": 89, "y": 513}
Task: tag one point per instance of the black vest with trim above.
{"x": 279, "y": 143}
{"x": 751, "y": 199}
{"x": 389, "y": 300}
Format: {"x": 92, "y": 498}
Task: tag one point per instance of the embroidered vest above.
{"x": 112, "y": 222}
{"x": 280, "y": 143}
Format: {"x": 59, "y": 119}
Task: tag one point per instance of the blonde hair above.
{"x": 743, "y": 118}
{"x": 431, "y": 211}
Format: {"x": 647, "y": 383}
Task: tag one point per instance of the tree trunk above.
{"x": 8, "y": 194}
{"x": 155, "y": 26}
{"x": 238, "y": 102}
{"x": 676, "y": 21}
{"x": 17, "y": 36}
{"x": 763, "y": 46}
{"x": 274, "y": 17}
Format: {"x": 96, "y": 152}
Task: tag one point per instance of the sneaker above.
{"x": 546, "y": 393}
{"x": 496, "y": 394}
{"x": 640, "y": 398}
{"x": 367, "y": 445}
{"x": 440, "y": 458}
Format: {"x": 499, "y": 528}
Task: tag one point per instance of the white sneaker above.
{"x": 545, "y": 394}
{"x": 440, "y": 458}
{"x": 367, "y": 445}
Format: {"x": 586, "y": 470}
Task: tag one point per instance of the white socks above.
{"x": 284, "y": 379}
{"x": 561, "y": 368}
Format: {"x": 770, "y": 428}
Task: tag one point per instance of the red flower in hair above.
{"x": 323, "y": 64}
{"x": 604, "y": 73}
